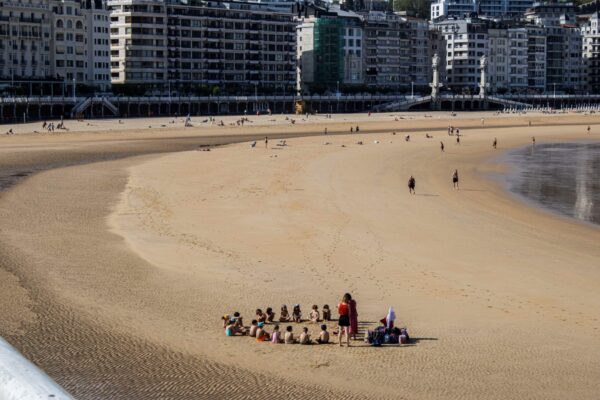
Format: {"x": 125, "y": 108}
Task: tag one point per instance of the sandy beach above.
{"x": 114, "y": 274}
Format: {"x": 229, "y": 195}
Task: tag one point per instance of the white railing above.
{"x": 20, "y": 379}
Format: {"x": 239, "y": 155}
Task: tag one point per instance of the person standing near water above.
{"x": 353, "y": 315}
{"x": 411, "y": 185}
{"x": 344, "y": 321}
{"x": 589, "y": 128}
{"x": 495, "y": 143}
{"x": 455, "y": 179}
{"x": 442, "y": 146}
{"x": 533, "y": 140}
{"x": 266, "y": 142}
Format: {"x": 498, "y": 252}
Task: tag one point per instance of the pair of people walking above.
{"x": 412, "y": 183}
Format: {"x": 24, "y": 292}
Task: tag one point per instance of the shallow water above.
{"x": 562, "y": 177}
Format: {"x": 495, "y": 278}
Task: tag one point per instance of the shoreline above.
{"x": 503, "y": 179}
{"x": 165, "y": 318}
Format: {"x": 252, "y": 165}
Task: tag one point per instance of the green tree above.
{"x": 418, "y": 8}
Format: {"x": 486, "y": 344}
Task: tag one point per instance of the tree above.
{"x": 418, "y": 8}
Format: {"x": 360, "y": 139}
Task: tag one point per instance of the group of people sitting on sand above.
{"x": 348, "y": 324}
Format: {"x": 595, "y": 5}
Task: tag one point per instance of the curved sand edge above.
{"x": 96, "y": 313}
{"x": 481, "y": 275}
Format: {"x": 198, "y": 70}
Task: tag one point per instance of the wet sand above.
{"x": 122, "y": 269}
{"x": 562, "y": 177}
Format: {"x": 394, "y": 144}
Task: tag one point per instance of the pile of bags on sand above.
{"x": 387, "y": 333}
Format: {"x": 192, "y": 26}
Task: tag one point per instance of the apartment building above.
{"x": 518, "y": 43}
{"x": 237, "y": 46}
{"x": 590, "y": 32}
{"x": 70, "y": 48}
{"x": 330, "y": 49}
{"x": 352, "y": 37}
{"x": 489, "y": 8}
{"x": 97, "y": 25}
{"x": 564, "y": 64}
{"x": 466, "y": 42}
{"x": 536, "y": 58}
{"x": 25, "y": 39}
{"x": 420, "y": 54}
{"x": 387, "y": 52}
{"x": 57, "y": 39}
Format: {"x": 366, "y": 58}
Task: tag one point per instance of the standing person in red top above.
{"x": 344, "y": 321}
{"x": 353, "y": 315}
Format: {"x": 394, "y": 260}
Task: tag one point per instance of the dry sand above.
{"x": 122, "y": 269}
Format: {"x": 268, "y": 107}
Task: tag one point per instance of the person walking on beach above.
{"x": 533, "y": 140}
{"x": 344, "y": 321}
{"x": 442, "y": 146}
{"x": 266, "y": 142}
{"x": 455, "y": 179}
{"x": 411, "y": 185}
{"x": 353, "y": 315}
{"x": 589, "y": 128}
{"x": 457, "y": 139}
{"x": 495, "y": 143}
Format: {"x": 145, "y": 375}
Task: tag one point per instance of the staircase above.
{"x": 83, "y": 105}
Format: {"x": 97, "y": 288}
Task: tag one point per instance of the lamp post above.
{"x": 256, "y": 96}
{"x": 337, "y": 95}
{"x": 554, "y": 84}
{"x": 412, "y": 90}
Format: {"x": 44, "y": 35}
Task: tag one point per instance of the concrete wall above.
{"x": 21, "y": 380}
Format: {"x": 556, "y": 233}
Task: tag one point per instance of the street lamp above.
{"x": 256, "y": 96}
{"x": 554, "y": 89}
{"x": 412, "y": 90}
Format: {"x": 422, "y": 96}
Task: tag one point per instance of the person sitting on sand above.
{"x": 326, "y": 313}
{"x": 239, "y": 322}
{"x": 226, "y": 320}
{"x": 297, "y": 313}
{"x": 230, "y": 329}
{"x": 253, "y": 328}
{"x": 305, "y": 336}
{"x": 276, "y": 336}
{"x": 270, "y": 314}
{"x": 314, "y": 314}
{"x": 260, "y": 316}
{"x": 284, "y": 315}
{"x": 289, "y": 335}
{"x": 324, "y": 335}
{"x": 261, "y": 334}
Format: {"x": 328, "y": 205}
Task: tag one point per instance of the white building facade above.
{"x": 25, "y": 39}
